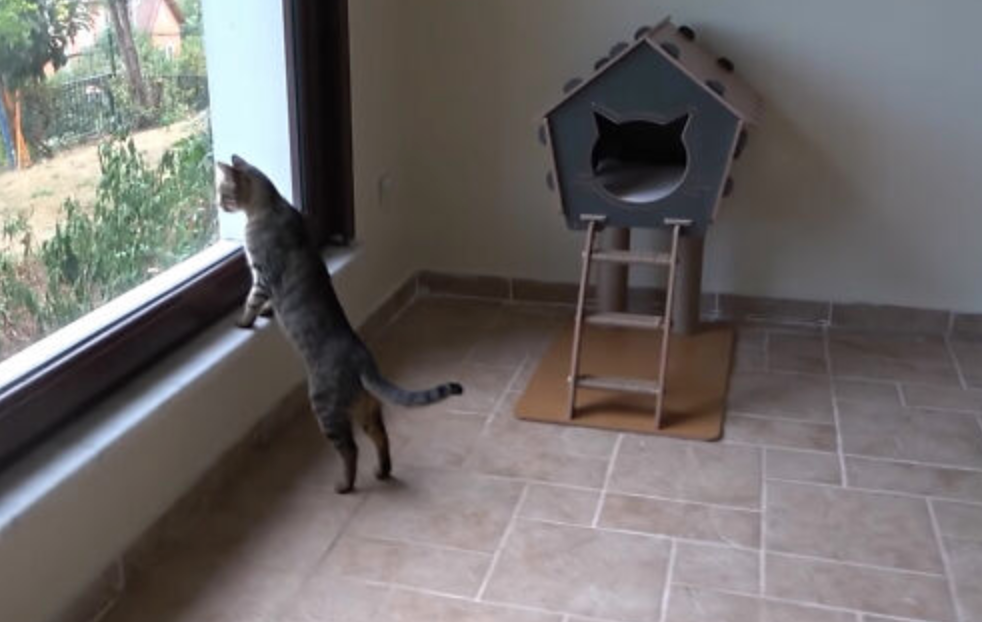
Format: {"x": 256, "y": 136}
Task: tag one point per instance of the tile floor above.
{"x": 848, "y": 489}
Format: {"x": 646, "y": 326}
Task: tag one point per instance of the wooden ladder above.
{"x": 624, "y": 320}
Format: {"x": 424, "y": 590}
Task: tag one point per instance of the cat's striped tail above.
{"x": 381, "y": 388}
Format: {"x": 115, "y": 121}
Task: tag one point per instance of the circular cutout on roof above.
{"x": 618, "y": 49}
{"x": 725, "y": 64}
{"x": 571, "y": 85}
{"x": 642, "y": 32}
{"x": 728, "y": 187}
{"x": 550, "y": 181}
{"x": 687, "y": 33}
{"x": 716, "y": 87}
{"x": 543, "y": 135}
{"x": 601, "y": 63}
{"x": 639, "y": 162}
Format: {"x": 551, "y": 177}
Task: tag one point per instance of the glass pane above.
{"x": 106, "y": 168}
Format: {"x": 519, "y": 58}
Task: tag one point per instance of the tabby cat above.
{"x": 290, "y": 279}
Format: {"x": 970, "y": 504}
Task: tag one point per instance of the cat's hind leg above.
{"x": 335, "y": 422}
{"x": 374, "y": 426}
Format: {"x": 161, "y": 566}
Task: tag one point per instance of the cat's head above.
{"x": 244, "y": 187}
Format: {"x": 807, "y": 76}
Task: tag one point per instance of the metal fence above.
{"x": 85, "y": 108}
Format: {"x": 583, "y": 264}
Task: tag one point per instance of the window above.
{"x": 120, "y": 255}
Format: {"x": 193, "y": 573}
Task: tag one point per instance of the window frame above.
{"x": 37, "y": 405}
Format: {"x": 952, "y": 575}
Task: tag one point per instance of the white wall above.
{"x": 862, "y": 184}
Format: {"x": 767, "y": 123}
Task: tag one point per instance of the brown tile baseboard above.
{"x": 735, "y": 307}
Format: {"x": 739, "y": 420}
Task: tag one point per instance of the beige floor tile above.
{"x": 189, "y": 589}
{"x": 959, "y": 520}
{"x": 565, "y": 505}
{"x": 295, "y": 532}
{"x": 965, "y": 559}
{"x": 688, "y": 471}
{"x": 789, "y": 396}
{"x": 902, "y": 358}
{"x": 749, "y": 359}
{"x": 879, "y": 392}
{"x": 329, "y": 598}
{"x": 405, "y": 349}
{"x": 851, "y": 526}
{"x": 914, "y": 479}
{"x": 912, "y": 435}
{"x": 450, "y": 312}
{"x": 740, "y": 528}
{"x": 513, "y": 337}
{"x": 969, "y": 355}
{"x": 491, "y": 458}
{"x": 405, "y": 606}
{"x": 796, "y": 352}
{"x": 942, "y": 398}
{"x": 448, "y": 571}
{"x": 587, "y": 442}
{"x": 581, "y": 571}
{"x": 536, "y": 451}
{"x": 717, "y": 567}
{"x": 276, "y": 531}
{"x": 430, "y": 439}
{"x": 803, "y": 466}
{"x": 750, "y": 353}
{"x": 886, "y": 592}
{"x": 780, "y": 433}
{"x": 440, "y": 508}
{"x": 687, "y": 604}
{"x": 750, "y": 336}
{"x": 483, "y": 386}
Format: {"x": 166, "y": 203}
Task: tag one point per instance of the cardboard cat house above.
{"x": 651, "y": 134}
{"x": 648, "y": 140}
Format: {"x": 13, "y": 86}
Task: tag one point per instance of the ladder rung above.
{"x": 653, "y": 259}
{"x": 625, "y": 320}
{"x": 624, "y": 385}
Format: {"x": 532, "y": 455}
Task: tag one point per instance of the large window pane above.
{"x": 106, "y": 168}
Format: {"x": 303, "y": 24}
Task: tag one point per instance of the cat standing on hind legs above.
{"x": 291, "y": 282}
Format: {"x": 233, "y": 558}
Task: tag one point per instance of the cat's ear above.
{"x": 226, "y": 170}
{"x": 239, "y": 162}
{"x": 604, "y": 123}
{"x": 680, "y": 123}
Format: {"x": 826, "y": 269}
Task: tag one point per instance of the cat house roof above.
{"x": 651, "y": 135}
{"x": 716, "y": 74}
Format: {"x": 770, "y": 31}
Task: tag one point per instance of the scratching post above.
{"x": 688, "y": 286}
{"x": 612, "y": 278}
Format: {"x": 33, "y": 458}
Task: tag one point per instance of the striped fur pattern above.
{"x": 291, "y": 282}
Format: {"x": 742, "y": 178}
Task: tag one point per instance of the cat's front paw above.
{"x": 246, "y": 323}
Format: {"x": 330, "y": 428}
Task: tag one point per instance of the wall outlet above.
{"x": 385, "y": 183}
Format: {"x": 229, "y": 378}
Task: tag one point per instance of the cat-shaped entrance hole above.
{"x": 639, "y": 162}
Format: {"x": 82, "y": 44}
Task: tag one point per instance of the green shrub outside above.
{"x": 144, "y": 220}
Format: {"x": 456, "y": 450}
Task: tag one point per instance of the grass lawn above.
{"x": 41, "y": 189}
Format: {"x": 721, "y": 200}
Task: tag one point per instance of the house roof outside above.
{"x": 144, "y": 13}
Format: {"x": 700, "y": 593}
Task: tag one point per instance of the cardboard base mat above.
{"x": 695, "y": 400}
